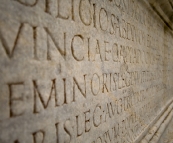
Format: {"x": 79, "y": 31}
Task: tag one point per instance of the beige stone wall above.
{"x": 167, "y": 135}
{"x": 85, "y": 71}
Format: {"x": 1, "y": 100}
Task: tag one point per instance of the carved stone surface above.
{"x": 84, "y": 71}
{"x": 167, "y": 136}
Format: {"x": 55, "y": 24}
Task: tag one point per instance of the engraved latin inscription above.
{"x": 82, "y": 71}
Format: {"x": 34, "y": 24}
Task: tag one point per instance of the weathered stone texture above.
{"x": 85, "y": 71}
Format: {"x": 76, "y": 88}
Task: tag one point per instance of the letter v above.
{"x": 5, "y": 44}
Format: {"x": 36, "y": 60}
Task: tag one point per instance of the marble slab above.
{"x": 82, "y": 71}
